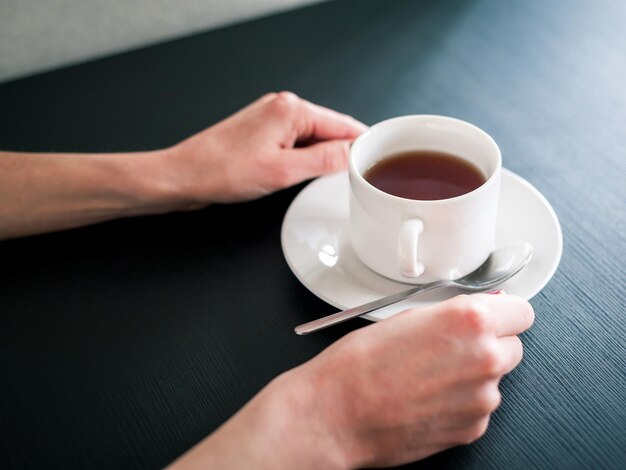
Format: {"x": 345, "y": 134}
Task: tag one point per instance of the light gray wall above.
{"x": 37, "y": 35}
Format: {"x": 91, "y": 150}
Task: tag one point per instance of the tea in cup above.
{"x": 423, "y": 197}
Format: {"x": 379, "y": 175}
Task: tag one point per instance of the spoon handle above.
{"x": 344, "y": 315}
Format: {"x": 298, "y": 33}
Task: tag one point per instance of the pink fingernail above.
{"x": 496, "y": 291}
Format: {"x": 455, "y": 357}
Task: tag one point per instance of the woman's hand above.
{"x": 422, "y": 382}
{"x": 275, "y": 142}
{"x": 390, "y": 393}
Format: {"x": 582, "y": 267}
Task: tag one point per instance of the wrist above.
{"x": 158, "y": 185}
{"x": 280, "y": 428}
{"x": 304, "y": 429}
{"x": 331, "y": 408}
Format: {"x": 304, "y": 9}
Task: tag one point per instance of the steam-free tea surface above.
{"x": 424, "y": 175}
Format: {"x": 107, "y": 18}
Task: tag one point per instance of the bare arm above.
{"x": 45, "y": 192}
{"x": 248, "y": 155}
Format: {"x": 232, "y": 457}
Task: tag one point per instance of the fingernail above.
{"x": 496, "y": 292}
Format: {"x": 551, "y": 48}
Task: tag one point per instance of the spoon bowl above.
{"x": 502, "y": 264}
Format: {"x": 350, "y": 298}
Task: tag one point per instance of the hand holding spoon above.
{"x": 502, "y": 264}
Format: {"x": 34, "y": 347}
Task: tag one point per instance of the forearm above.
{"x": 46, "y": 192}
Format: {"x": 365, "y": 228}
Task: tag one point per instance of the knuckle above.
{"x": 360, "y": 346}
{"x": 325, "y": 158}
{"x": 283, "y": 104}
{"x": 488, "y": 399}
{"x": 357, "y": 348}
{"x": 475, "y": 431}
{"x": 287, "y": 95}
{"x": 331, "y": 157}
{"x": 490, "y": 360}
{"x": 472, "y": 315}
{"x": 455, "y": 307}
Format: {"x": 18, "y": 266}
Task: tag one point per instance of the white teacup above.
{"x": 417, "y": 241}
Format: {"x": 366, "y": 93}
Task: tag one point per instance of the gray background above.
{"x": 38, "y": 35}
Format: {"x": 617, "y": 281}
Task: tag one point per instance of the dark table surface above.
{"x": 125, "y": 343}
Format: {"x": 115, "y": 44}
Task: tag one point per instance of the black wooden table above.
{"x": 125, "y": 343}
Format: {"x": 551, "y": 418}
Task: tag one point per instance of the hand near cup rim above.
{"x": 390, "y": 393}
{"x": 287, "y": 140}
{"x": 277, "y": 141}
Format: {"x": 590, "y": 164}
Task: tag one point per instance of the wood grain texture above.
{"x": 123, "y": 344}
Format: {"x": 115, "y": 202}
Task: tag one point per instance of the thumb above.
{"x": 319, "y": 159}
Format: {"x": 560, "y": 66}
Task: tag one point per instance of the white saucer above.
{"x": 318, "y": 251}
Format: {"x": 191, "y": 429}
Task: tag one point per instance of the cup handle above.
{"x": 410, "y": 230}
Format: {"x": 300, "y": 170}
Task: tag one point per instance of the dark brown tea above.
{"x": 425, "y": 175}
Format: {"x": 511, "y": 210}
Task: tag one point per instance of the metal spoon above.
{"x": 502, "y": 264}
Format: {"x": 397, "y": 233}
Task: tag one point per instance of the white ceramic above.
{"x": 416, "y": 241}
{"x": 317, "y": 249}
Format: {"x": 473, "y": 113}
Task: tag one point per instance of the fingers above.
{"x": 512, "y": 352}
{"x": 318, "y": 159}
{"x": 304, "y": 121}
{"x": 476, "y": 315}
{"x": 318, "y": 122}
{"x": 510, "y": 314}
